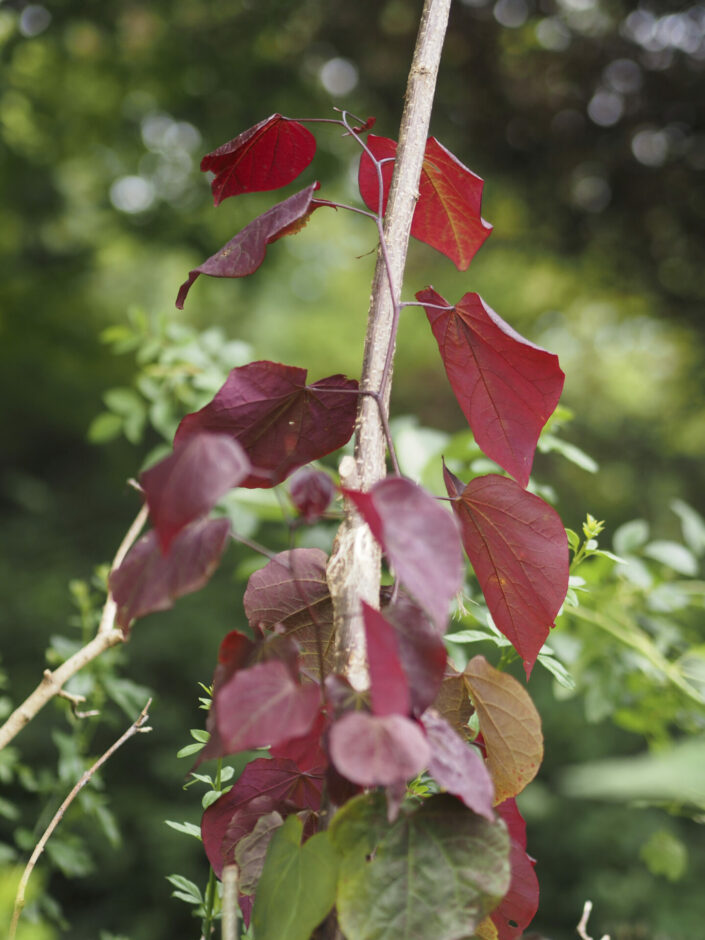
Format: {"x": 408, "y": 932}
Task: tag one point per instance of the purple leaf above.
{"x": 422, "y": 652}
{"x": 191, "y": 480}
{"x": 420, "y": 539}
{"x": 389, "y": 688}
{"x": 311, "y": 492}
{"x": 375, "y": 750}
{"x": 279, "y": 420}
{"x": 148, "y": 580}
{"x": 457, "y": 766}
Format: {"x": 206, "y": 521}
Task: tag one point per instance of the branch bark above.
{"x": 106, "y": 637}
{"x": 354, "y": 567}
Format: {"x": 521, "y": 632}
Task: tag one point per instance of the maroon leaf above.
{"x": 292, "y": 591}
{"x": 506, "y": 386}
{"x": 148, "y": 580}
{"x": 269, "y": 155}
{"x": 420, "y": 539}
{"x": 263, "y": 705}
{"x": 244, "y": 253}
{"x": 307, "y": 751}
{"x": 375, "y": 750}
{"x": 447, "y": 215}
{"x": 190, "y": 481}
{"x": 280, "y": 421}
{"x": 389, "y": 688}
{"x": 520, "y": 903}
{"x": 421, "y": 651}
{"x": 311, "y": 492}
{"x": 518, "y": 547}
{"x": 276, "y": 785}
{"x": 457, "y": 766}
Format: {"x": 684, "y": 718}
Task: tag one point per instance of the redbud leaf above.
{"x": 389, "y": 688}
{"x": 453, "y": 701}
{"x": 246, "y": 251}
{"x": 148, "y": 580}
{"x": 421, "y": 650}
{"x": 519, "y": 905}
{"x": 518, "y": 548}
{"x": 420, "y": 539}
{"x": 506, "y": 386}
{"x": 279, "y": 420}
{"x": 251, "y": 851}
{"x": 311, "y": 492}
{"x": 510, "y": 727}
{"x": 291, "y": 591}
{"x": 191, "y": 480}
{"x": 457, "y": 766}
{"x": 377, "y": 750}
{"x": 267, "y": 156}
{"x": 447, "y": 215}
{"x": 305, "y": 751}
{"x": 277, "y": 785}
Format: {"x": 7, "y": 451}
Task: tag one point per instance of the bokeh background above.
{"x": 586, "y": 118}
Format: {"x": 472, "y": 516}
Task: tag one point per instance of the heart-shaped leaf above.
{"x": 420, "y": 539}
{"x": 375, "y": 750}
{"x": 519, "y": 905}
{"x": 389, "y": 688}
{"x": 279, "y": 420}
{"x": 246, "y": 251}
{"x": 191, "y": 480}
{"x": 518, "y": 547}
{"x": 422, "y": 652}
{"x": 457, "y": 766}
{"x": 264, "y": 157}
{"x": 311, "y": 492}
{"x": 447, "y": 215}
{"x": 510, "y": 726}
{"x": 507, "y": 387}
{"x": 148, "y": 580}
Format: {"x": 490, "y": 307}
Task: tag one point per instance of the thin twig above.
{"x": 582, "y": 926}
{"x": 137, "y": 727}
{"x": 231, "y": 879}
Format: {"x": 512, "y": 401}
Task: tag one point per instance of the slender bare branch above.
{"x": 582, "y": 926}
{"x": 231, "y": 878}
{"x": 137, "y": 726}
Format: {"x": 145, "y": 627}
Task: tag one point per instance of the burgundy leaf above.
{"x": 518, "y": 547}
{"x": 277, "y": 785}
{"x": 506, "y": 386}
{"x": 375, "y": 750}
{"x": 422, "y": 652}
{"x": 307, "y": 751}
{"x": 244, "y": 253}
{"x": 291, "y": 591}
{"x": 279, "y": 420}
{"x": 457, "y": 766}
{"x": 234, "y": 653}
{"x": 148, "y": 580}
{"x": 190, "y": 481}
{"x": 269, "y": 155}
{"x": 420, "y": 539}
{"x": 311, "y": 492}
{"x": 263, "y": 705}
{"x": 389, "y": 688}
{"x": 520, "y": 903}
{"x": 447, "y": 215}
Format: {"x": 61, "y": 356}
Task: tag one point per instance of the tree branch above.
{"x": 354, "y": 567}
{"x": 107, "y": 636}
{"x": 136, "y": 727}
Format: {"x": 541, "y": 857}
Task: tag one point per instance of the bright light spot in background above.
{"x": 132, "y": 194}
{"x": 34, "y": 19}
{"x": 338, "y": 76}
{"x": 684, "y": 30}
{"x": 590, "y": 191}
{"x": 623, "y": 75}
{"x": 552, "y": 34}
{"x": 650, "y": 147}
{"x": 605, "y": 108}
{"x": 511, "y": 13}
{"x": 578, "y": 6}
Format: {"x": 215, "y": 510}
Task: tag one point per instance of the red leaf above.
{"x": 244, "y": 253}
{"x": 269, "y": 155}
{"x": 389, "y": 688}
{"x": 447, "y": 215}
{"x": 277, "y": 785}
{"x": 457, "y": 766}
{"x": 307, "y": 751}
{"x": 279, "y": 420}
{"x": 311, "y": 492}
{"x": 148, "y": 580}
{"x": 375, "y": 750}
{"x": 191, "y": 480}
{"x": 420, "y": 539}
{"x": 263, "y": 705}
{"x": 520, "y": 903}
{"x": 518, "y": 547}
{"x": 422, "y": 652}
{"x": 291, "y": 591}
{"x": 506, "y": 386}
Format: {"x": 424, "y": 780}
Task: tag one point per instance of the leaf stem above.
{"x": 210, "y": 887}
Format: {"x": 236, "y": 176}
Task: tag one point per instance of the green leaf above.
{"x": 557, "y": 670}
{"x": 693, "y": 526}
{"x": 476, "y": 636}
{"x": 573, "y": 539}
{"x": 198, "y": 734}
{"x": 104, "y": 427}
{"x": 297, "y": 887}
{"x": 189, "y": 749}
{"x": 186, "y": 890}
{"x": 673, "y": 555}
{"x": 664, "y": 854}
{"x": 189, "y": 829}
{"x": 436, "y": 873}
{"x": 548, "y": 443}
{"x": 630, "y": 536}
